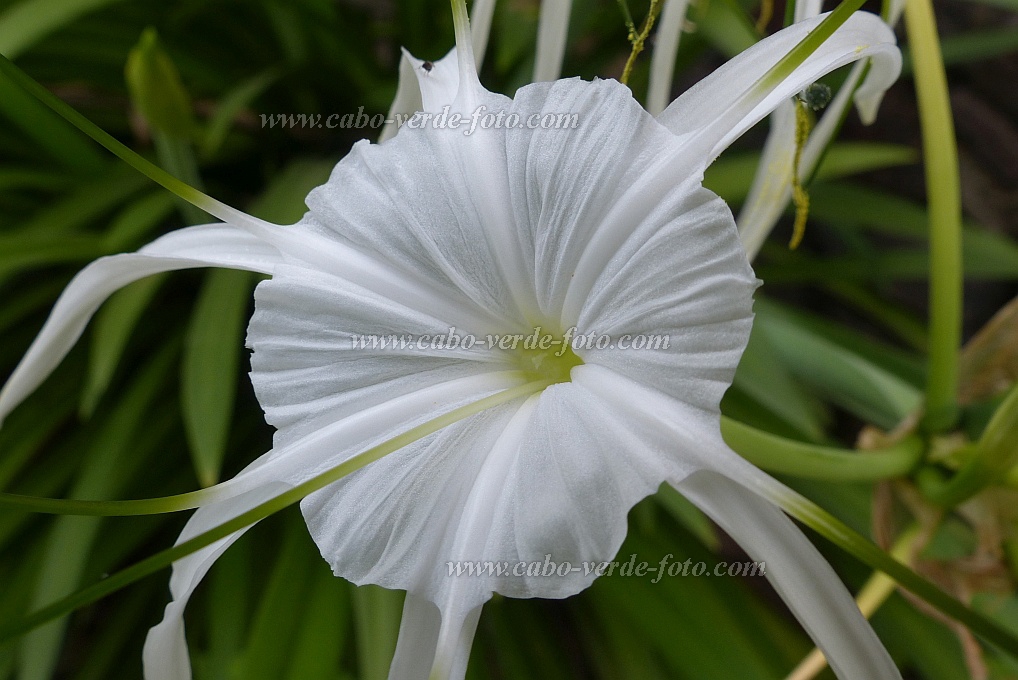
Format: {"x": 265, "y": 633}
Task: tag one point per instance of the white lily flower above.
{"x": 604, "y": 229}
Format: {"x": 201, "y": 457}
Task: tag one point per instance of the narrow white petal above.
{"x": 481, "y": 13}
{"x": 798, "y": 572}
{"x": 704, "y": 471}
{"x": 807, "y": 9}
{"x": 437, "y": 81}
{"x": 454, "y": 641}
{"x": 418, "y": 639}
{"x": 662, "y": 62}
{"x": 552, "y": 31}
{"x": 202, "y": 246}
{"x": 894, "y": 12}
{"x": 432, "y": 646}
{"x": 165, "y": 655}
{"x": 772, "y": 185}
{"x": 696, "y": 112}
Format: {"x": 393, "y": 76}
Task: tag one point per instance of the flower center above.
{"x": 552, "y": 363}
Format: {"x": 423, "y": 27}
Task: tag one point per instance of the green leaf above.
{"x": 52, "y": 135}
{"x": 111, "y": 329}
{"x": 282, "y": 201}
{"x": 377, "y": 613}
{"x": 846, "y": 378}
{"x": 232, "y": 103}
{"x": 688, "y": 515}
{"x": 230, "y": 586}
{"x": 764, "y": 378}
{"x": 25, "y": 23}
{"x": 726, "y": 25}
{"x": 731, "y": 176}
{"x": 104, "y": 470}
{"x": 279, "y": 613}
{"x": 323, "y": 629}
{"x": 211, "y": 366}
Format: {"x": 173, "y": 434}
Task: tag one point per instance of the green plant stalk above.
{"x": 943, "y": 190}
{"x": 167, "y": 557}
{"x": 992, "y": 458}
{"x": 195, "y": 499}
{"x": 639, "y": 39}
{"x": 836, "y": 531}
{"x": 785, "y": 456}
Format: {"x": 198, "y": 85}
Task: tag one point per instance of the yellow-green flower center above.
{"x": 553, "y": 363}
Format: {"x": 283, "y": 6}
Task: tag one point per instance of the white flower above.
{"x": 604, "y": 228}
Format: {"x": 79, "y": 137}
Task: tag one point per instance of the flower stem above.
{"x": 195, "y": 499}
{"x": 836, "y": 531}
{"x": 992, "y": 458}
{"x": 639, "y": 39}
{"x": 785, "y": 456}
{"x": 944, "y": 197}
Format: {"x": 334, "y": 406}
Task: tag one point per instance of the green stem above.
{"x": 836, "y": 531}
{"x": 944, "y": 197}
{"x": 167, "y": 557}
{"x": 640, "y": 39}
{"x": 195, "y": 499}
{"x": 785, "y": 456}
{"x": 992, "y": 458}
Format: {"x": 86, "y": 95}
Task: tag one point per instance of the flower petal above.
{"x": 407, "y": 100}
{"x": 662, "y": 62}
{"x": 719, "y": 482}
{"x": 798, "y": 572}
{"x": 437, "y": 81}
{"x": 697, "y": 112}
{"x": 418, "y": 639}
{"x": 203, "y": 246}
{"x": 683, "y": 285}
{"x": 284, "y": 467}
{"x": 410, "y": 206}
{"x": 481, "y": 13}
{"x": 552, "y": 31}
{"x": 772, "y": 185}
{"x": 314, "y": 363}
{"x": 532, "y": 484}
{"x": 165, "y": 655}
{"x": 565, "y": 182}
